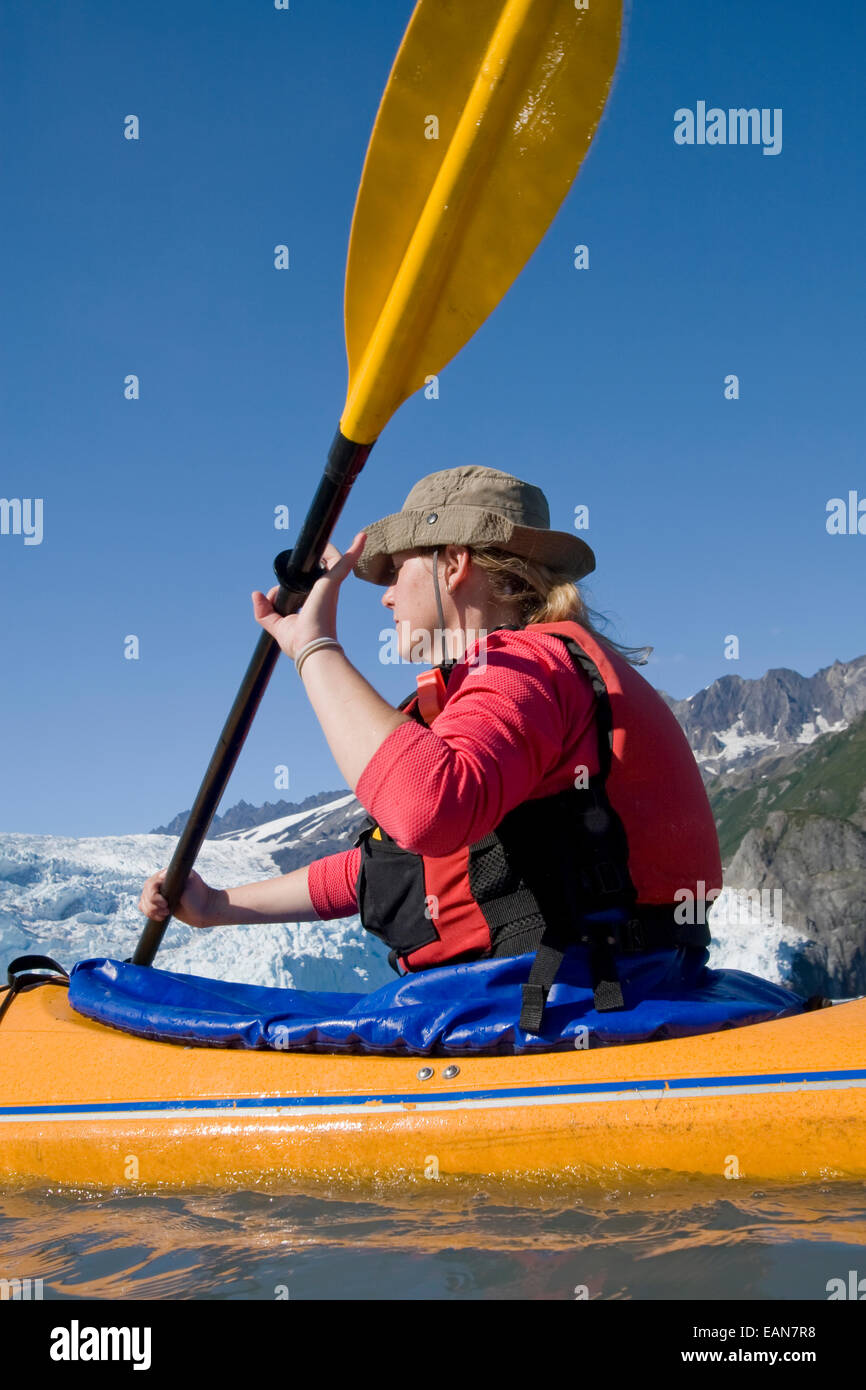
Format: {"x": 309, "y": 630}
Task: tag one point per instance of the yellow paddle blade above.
{"x": 488, "y": 112}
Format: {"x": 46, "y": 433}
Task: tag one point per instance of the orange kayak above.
{"x": 82, "y": 1103}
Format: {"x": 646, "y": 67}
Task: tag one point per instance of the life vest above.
{"x": 556, "y": 869}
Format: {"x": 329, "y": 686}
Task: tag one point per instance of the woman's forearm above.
{"x": 354, "y": 718}
{"x": 284, "y": 899}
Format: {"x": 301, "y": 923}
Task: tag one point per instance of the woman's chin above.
{"x": 414, "y": 644}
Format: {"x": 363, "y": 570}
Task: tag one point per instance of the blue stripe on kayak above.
{"x": 857, "y": 1076}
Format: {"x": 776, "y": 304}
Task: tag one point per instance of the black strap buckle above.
{"x": 608, "y": 878}
{"x": 631, "y": 937}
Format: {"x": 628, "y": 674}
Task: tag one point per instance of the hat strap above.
{"x": 436, "y": 591}
{"x": 446, "y": 665}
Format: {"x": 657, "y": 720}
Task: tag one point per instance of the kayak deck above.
{"x": 84, "y": 1104}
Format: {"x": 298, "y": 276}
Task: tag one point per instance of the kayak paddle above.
{"x": 486, "y": 117}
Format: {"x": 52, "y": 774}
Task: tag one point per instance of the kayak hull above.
{"x": 83, "y": 1104}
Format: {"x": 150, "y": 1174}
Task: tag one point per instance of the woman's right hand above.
{"x": 194, "y": 907}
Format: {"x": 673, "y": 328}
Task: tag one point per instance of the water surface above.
{"x": 636, "y": 1239}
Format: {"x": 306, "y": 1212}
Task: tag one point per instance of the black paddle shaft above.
{"x": 297, "y": 570}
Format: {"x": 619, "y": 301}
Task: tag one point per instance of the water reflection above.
{"x": 636, "y": 1240}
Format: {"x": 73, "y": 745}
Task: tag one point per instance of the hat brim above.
{"x": 460, "y": 524}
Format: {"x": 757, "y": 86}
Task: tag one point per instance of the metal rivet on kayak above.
{"x": 425, "y": 1073}
{"x": 434, "y": 516}
{"x": 451, "y": 1071}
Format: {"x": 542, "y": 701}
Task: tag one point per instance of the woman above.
{"x": 537, "y": 796}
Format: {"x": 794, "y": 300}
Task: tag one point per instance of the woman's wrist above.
{"x": 216, "y": 908}
{"x": 315, "y": 644}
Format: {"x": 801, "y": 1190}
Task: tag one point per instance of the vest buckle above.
{"x": 632, "y": 936}
{"x": 608, "y": 878}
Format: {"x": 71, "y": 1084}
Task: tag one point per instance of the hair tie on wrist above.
{"x": 315, "y": 645}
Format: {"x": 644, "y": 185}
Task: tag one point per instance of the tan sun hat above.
{"x": 473, "y": 506}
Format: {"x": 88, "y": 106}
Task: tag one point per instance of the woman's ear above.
{"x": 458, "y": 563}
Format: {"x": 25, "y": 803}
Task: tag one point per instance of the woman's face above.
{"x": 412, "y": 602}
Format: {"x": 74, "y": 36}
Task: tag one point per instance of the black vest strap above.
{"x": 651, "y": 928}
{"x": 603, "y": 936}
{"x": 607, "y": 875}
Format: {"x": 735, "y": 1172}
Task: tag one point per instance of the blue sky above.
{"x": 605, "y": 386}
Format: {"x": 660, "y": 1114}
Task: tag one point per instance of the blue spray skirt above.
{"x": 456, "y": 1010}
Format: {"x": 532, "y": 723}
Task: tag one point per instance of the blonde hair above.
{"x": 533, "y": 593}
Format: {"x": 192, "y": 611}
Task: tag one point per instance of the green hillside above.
{"x": 828, "y": 779}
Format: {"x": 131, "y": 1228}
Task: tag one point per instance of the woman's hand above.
{"x": 318, "y": 616}
{"x": 194, "y": 907}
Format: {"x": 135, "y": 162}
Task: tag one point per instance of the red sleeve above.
{"x": 508, "y": 725}
{"x": 331, "y": 884}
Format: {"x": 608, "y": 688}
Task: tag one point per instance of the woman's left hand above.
{"x": 318, "y": 616}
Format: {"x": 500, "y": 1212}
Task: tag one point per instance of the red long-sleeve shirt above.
{"x": 518, "y": 727}
{"x": 512, "y": 728}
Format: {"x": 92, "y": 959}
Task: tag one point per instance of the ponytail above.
{"x": 537, "y": 594}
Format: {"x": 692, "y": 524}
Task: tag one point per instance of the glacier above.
{"x": 76, "y": 898}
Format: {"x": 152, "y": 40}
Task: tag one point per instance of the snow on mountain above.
{"x": 303, "y": 824}
{"x": 733, "y": 720}
{"x": 293, "y": 833}
{"x": 73, "y": 899}
{"x": 813, "y": 729}
{"x": 735, "y": 743}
